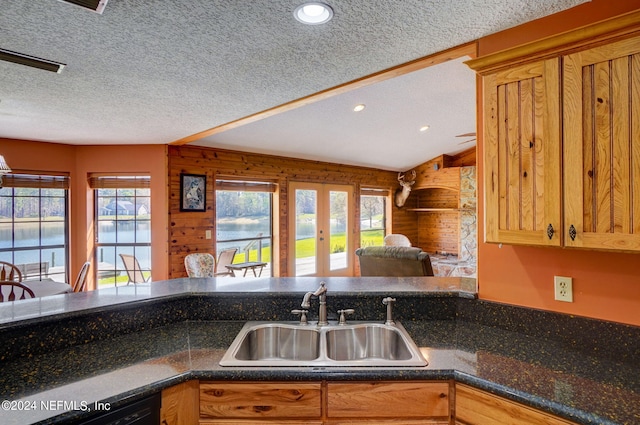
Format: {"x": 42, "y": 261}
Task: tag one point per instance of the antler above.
{"x": 401, "y": 177}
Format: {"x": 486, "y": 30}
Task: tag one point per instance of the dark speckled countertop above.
{"x": 118, "y": 347}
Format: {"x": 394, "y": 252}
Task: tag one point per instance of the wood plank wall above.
{"x": 439, "y": 231}
{"x": 187, "y": 229}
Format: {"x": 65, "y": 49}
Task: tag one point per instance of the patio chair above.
{"x": 224, "y": 259}
{"x": 134, "y": 272}
{"x": 81, "y": 281}
{"x": 10, "y": 289}
{"x": 10, "y": 271}
{"x": 200, "y": 264}
{"x": 396, "y": 239}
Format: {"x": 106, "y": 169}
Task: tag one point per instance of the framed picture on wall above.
{"x": 193, "y": 189}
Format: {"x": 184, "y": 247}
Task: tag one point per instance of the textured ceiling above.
{"x": 155, "y": 71}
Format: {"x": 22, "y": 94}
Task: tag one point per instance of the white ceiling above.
{"x": 156, "y": 71}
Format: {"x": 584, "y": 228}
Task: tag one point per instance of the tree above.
{"x": 371, "y": 206}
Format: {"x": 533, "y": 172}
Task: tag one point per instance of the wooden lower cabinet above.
{"x": 260, "y": 402}
{"x": 325, "y": 403}
{"x": 412, "y": 402}
{"x": 180, "y": 404}
{"x": 476, "y": 407}
{"x": 342, "y": 403}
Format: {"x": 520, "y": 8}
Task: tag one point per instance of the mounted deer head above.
{"x": 402, "y": 194}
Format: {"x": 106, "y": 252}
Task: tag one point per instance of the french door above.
{"x": 321, "y": 223}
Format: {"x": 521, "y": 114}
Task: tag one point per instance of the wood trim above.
{"x": 617, "y": 26}
{"x": 468, "y": 49}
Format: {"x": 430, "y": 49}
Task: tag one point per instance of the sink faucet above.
{"x": 321, "y": 293}
{"x": 388, "y": 301}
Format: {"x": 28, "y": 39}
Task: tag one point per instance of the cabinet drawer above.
{"x": 259, "y": 400}
{"x": 475, "y": 407}
{"x": 388, "y": 400}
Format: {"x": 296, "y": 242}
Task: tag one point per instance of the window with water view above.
{"x": 244, "y": 220}
{"x": 122, "y": 228}
{"x": 34, "y": 225}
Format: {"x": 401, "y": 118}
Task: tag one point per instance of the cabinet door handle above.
{"x": 550, "y": 231}
{"x": 572, "y": 233}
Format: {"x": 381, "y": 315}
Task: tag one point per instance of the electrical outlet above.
{"x": 207, "y": 234}
{"x": 563, "y": 288}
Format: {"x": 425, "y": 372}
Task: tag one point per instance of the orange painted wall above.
{"x": 606, "y": 285}
{"x": 80, "y": 160}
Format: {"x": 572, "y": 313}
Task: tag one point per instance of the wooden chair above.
{"x": 224, "y": 259}
{"x": 200, "y": 264}
{"x": 134, "y": 272}
{"x": 12, "y": 289}
{"x": 10, "y": 271}
{"x": 396, "y": 239}
{"x": 81, "y": 281}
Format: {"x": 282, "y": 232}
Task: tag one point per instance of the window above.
{"x": 122, "y": 225}
{"x": 33, "y": 225}
{"x": 373, "y": 208}
{"x": 244, "y": 220}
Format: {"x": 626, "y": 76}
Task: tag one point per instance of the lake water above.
{"x": 52, "y": 233}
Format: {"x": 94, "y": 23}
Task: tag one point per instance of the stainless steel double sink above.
{"x": 269, "y": 344}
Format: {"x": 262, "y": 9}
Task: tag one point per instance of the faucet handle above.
{"x": 342, "y": 313}
{"x": 388, "y": 301}
{"x": 303, "y": 315}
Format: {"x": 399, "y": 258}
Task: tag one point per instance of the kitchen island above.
{"x": 63, "y": 354}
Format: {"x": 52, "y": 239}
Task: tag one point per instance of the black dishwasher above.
{"x": 142, "y": 412}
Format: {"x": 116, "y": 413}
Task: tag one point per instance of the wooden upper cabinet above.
{"x": 522, "y": 154}
{"x": 601, "y": 89}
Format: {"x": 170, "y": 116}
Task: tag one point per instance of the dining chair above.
{"x": 10, "y": 271}
{"x": 200, "y": 264}
{"x": 396, "y": 239}
{"x": 134, "y": 272}
{"x": 9, "y": 290}
{"x": 81, "y": 281}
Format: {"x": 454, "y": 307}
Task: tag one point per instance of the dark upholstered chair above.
{"x": 393, "y": 261}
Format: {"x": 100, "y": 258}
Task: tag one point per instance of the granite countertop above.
{"x": 456, "y": 335}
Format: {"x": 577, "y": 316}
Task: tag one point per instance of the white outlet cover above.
{"x": 563, "y": 288}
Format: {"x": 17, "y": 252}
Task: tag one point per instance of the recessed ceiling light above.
{"x": 424, "y": 128}
{"x": 359, "y": 107}
{"x": 313, "y": 13}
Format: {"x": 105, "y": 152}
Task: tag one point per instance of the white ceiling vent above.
{"x": 32, "y": 61}
{"x": 95, "y": 5}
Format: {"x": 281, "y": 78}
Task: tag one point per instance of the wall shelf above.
{"x": 432, "y": 209}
